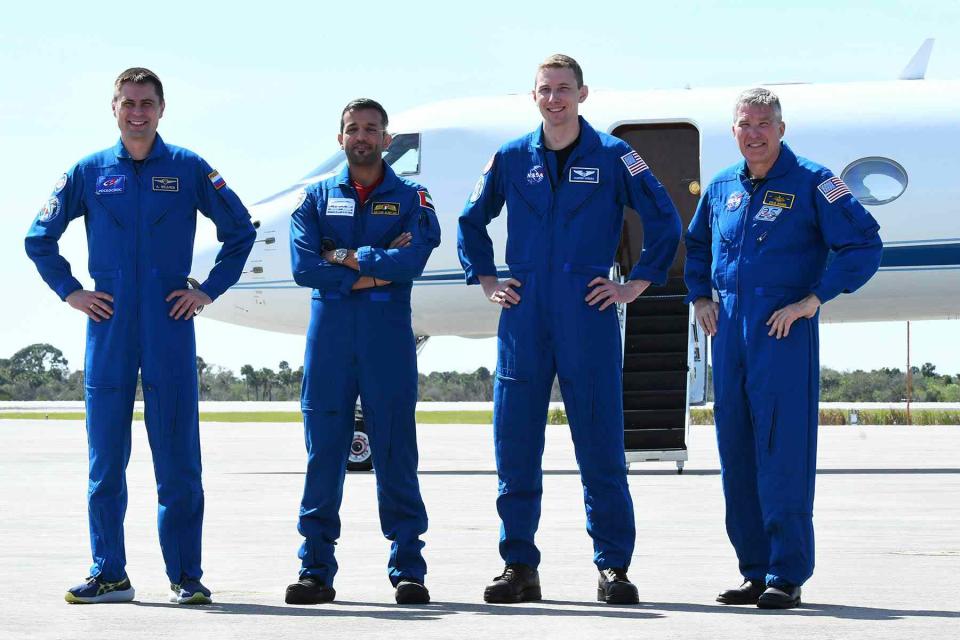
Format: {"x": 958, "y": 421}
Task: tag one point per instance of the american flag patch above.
{"x": 833, "y": 189}
{"x": 426, "y": 200}
{"x": 634, "y": 162}
{"x": 216, "y": 179}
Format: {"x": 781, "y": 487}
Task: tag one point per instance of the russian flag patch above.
{"x": 216, "y": 179}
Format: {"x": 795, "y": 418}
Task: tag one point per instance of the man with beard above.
{"x": 358, "y": 239}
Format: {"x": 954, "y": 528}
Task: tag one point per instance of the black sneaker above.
{"x": 746, "y": 593}
{"x": 776, "y": 598}
{"x": 96, "y": 590}
{"x": 614, "y": 587}
{"x": 309, "y": 590}
{"x": 517, "y": 583}
{"x": 410, "y": 591}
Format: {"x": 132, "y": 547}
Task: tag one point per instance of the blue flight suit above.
{"x": 559, "y": 238}
{"x": 361, "y": 342}
{"x": 140, "y": 223}
{"x": 763, "y": 245}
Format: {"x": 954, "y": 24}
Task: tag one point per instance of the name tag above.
{"x": 585, "y": 174}
{"x": 779, "y": 199}
{"x": 166, "y": 184}
{"x": 341, "y": 206}
{"x": 107, "y": 185}
{"x": 386, "y": 208}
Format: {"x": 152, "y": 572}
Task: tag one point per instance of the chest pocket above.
{"x": 337, "y": 216}
{"x": 383, "y": 221}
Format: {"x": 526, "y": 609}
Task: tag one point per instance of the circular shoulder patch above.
{"x": 50, "y": 209}
{"x": 477, "y": 189}
{"x": 60, "y": 184}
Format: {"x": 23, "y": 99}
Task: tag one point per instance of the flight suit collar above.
{"x": 390, "y": 179}
{"x": 158, "y": 150}
{"x": 785, "y": 161}
{"x": 588, "y": 139}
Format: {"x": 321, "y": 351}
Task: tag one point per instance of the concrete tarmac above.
{"x": 887, "y": 521}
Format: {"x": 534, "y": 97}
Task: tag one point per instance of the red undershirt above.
{"x": 363, "y": 193}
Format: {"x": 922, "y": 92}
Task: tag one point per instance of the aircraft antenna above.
{"x": 916, "y": 69}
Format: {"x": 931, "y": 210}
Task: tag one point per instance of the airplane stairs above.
{"x": 658, "y": 343}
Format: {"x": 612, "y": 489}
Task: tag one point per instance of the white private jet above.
{"x": 892, "y": 142}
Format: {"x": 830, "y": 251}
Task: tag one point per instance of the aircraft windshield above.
{"x": 403, "y": 156}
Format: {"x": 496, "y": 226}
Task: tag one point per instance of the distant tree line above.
{"x": 40, "y": 372}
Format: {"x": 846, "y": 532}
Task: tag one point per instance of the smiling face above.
{"x": 758, "y": 131}
{"x": 557, "y": 96}
{"x": 363, "y": 138}
{"x": 138, "y": 110}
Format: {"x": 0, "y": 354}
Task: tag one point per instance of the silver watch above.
{"x": 340, "y": 255}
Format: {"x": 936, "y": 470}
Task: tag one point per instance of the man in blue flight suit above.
{"x": 565, "y": 186}
{"x": 760, "y": 240}
{"x": 359, "y": 239}
{"x": 139, "y": 200}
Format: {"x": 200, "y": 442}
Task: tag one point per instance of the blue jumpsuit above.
{"x": 140, "y": 223}
{"x": 559, "y": 238}
{"x": 361, "y": 342}
{"x": 763, "y": 245}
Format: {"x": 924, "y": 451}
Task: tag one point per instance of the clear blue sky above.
{"x": 258, "y": 93}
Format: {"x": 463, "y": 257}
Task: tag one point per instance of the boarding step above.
{"x": 654, "y": 439}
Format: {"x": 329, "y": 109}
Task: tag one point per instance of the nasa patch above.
{"x": 171, "y": 185}
{"x": 586, "y": 175}
{"x": 535, "y": 175}
{"x": 108, "y": 185}
{"x": 478, "y": 189}
{"x": 60, "y": 184}
{"x": 50, "y": 209}
{"x": 734, "y": 200}
{"x": 768, "y": 213}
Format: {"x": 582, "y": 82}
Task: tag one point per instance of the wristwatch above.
{"x": 340, "y": 255}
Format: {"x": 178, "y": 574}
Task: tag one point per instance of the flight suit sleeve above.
{"x": 42, "y": 242}
{"x": 474, "y": 245}
{"x": 234, "y": 230}
{"x": 406, "y": 263}
{"x": 699, "y": 244}
{"x": 306, "y": 252}
{"x": 852, "y": 235}
{"x": 661, "y": 222}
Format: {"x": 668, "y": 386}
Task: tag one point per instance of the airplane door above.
{"x": 664, "y": 362}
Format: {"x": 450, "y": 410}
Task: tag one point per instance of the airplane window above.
{"x": 875, "y": 180}
{"x": 403, "y": 156}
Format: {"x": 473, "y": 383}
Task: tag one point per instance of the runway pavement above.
{"x": 887, "y": 520}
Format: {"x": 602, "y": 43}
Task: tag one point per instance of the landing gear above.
{"x": 361, "y": 458}
{"x": 679, "y": 467}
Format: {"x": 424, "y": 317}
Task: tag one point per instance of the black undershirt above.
{"x": 562, "y": 155}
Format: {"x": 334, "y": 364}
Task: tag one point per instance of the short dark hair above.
{"x": 560, "y": 61}
{"x": 138, "y": 75}
{"x": 364, "y": 103}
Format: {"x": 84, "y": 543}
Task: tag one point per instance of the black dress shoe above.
{"x": 775, "y": 598}
{"x": 410, "y": 591}
{"x": 615, "y": 587}
{"x": 746, "y": 593}
{"x": 309, "y": 590}
{"x": 517, "y": 583}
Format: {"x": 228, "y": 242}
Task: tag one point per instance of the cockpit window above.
{"x": 403, "y": 155}
{"x": 875, "y": 180}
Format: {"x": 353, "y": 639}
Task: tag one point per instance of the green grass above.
{"x": 423, "y": 417}
{"x": 557, "y": 416}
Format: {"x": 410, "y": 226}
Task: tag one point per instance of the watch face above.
{"x": 340, "y": 255}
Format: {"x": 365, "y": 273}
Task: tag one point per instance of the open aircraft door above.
{"x": 664, "y": 360}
